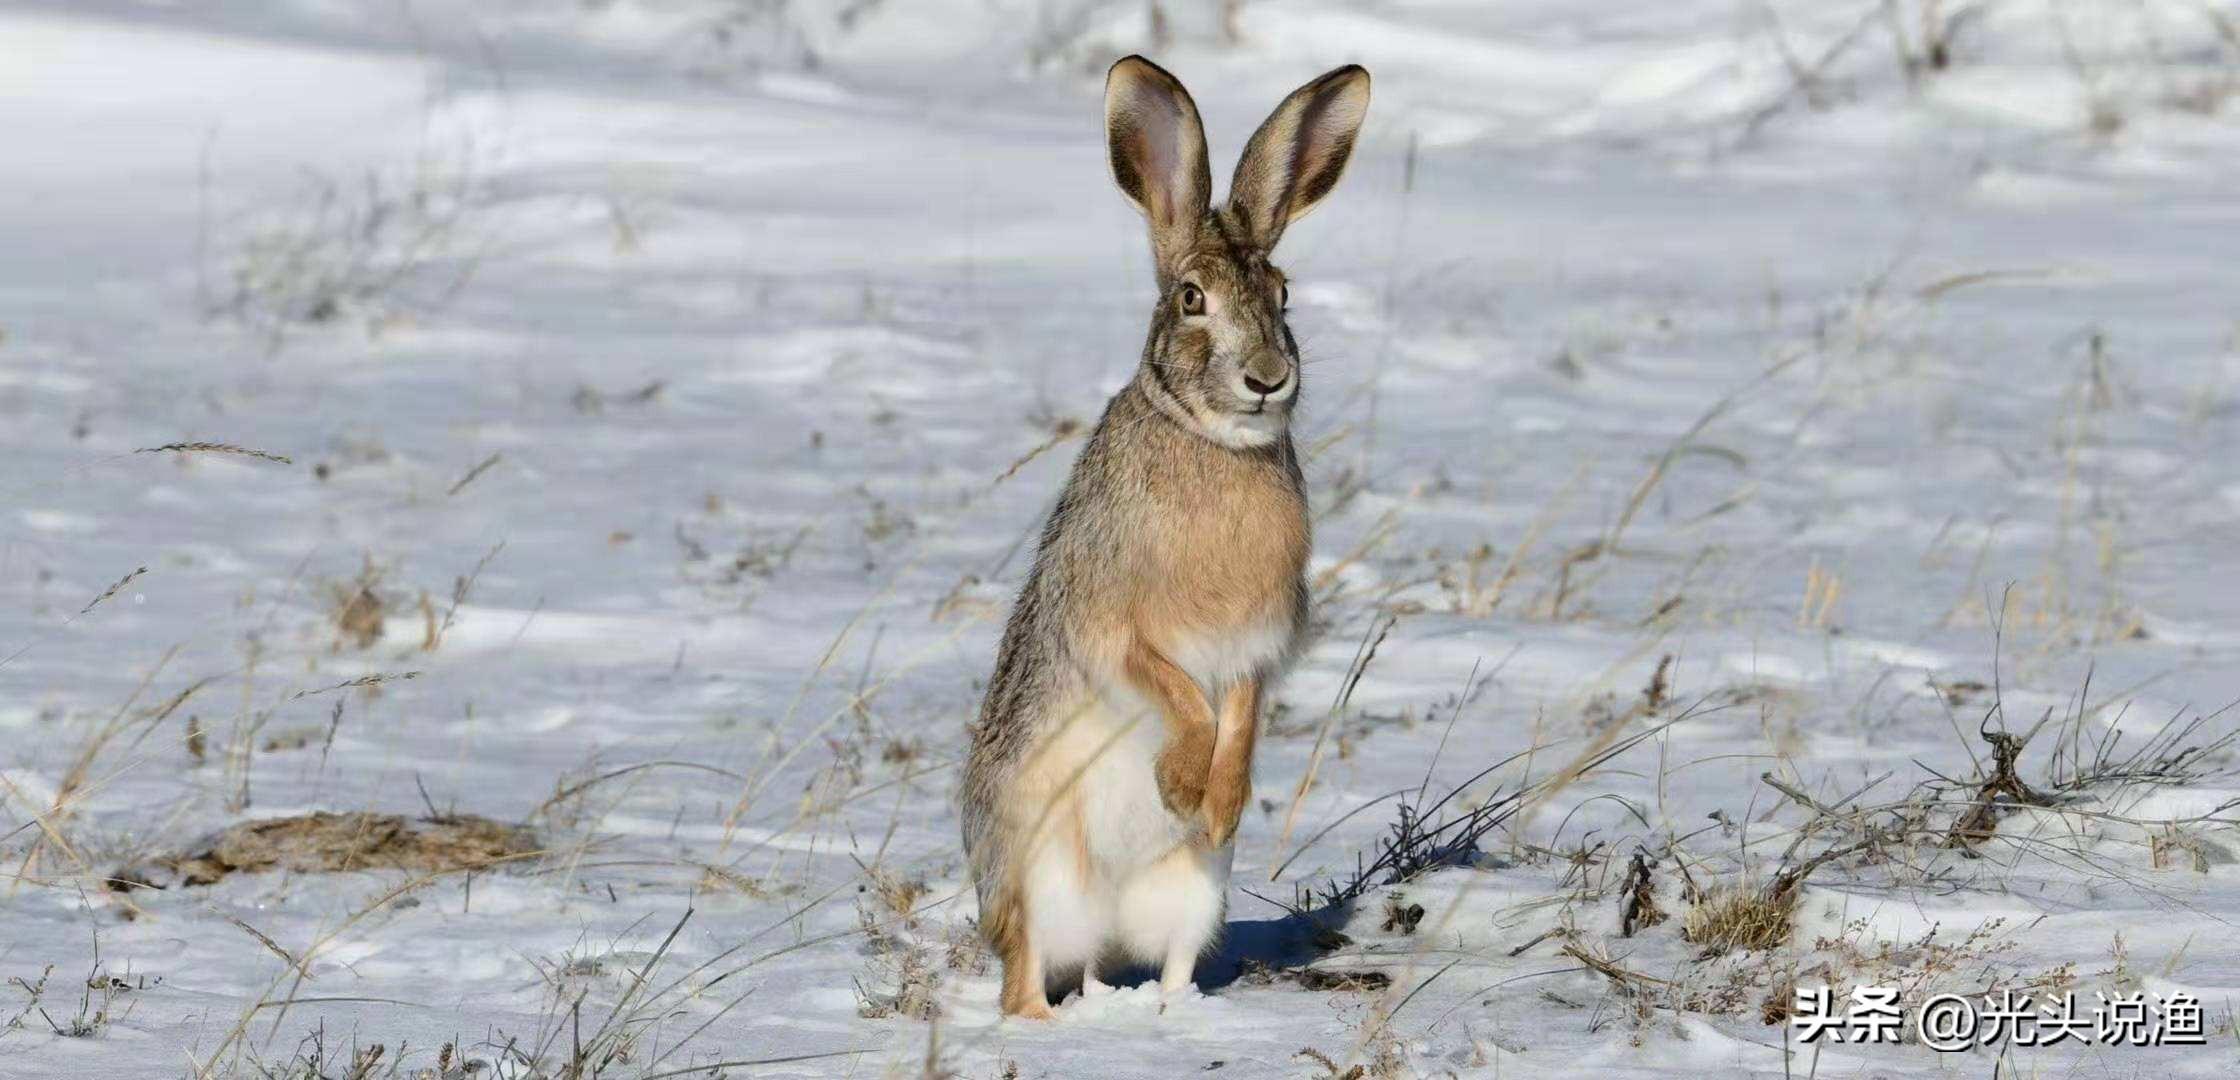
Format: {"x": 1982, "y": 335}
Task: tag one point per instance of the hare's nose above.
{"x": 1264, "y": 389}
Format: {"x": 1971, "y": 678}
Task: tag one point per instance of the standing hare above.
{"x": 1114, "y": 750}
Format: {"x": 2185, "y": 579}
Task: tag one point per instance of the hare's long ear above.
{"x": 1298, "y": 154}
{"x": 1158, "y": 150}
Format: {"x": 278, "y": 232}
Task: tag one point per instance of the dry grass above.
{"x": 1743, "y": 917}
{"x": 358, "y": 608}
{"x": 1388, "y": 1061}
{"x": 215, "y": 448}
{"x": 904, "y": 972}
{"x": 53, "y": 820}
{"x": 329, "y": 843}
{"x": 605, "y": 1018}
{"x": 388, "y": 248}
{"x": 97, "y": 1005}
{"x": 461, "y": 586}
{"x": 1321, "y": 980}
{"x": 1740, "y": 908}
{"x": 314, "y": 1059}
{"x": 900, "y": 893}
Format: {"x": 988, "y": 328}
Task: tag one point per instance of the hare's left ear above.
{"x": 1298, "y": 154}
{"x": 1158, "y": 151}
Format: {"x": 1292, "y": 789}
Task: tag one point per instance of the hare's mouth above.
{"x": 1263, "y": 405}
{"x": 1259, "y": 404}
{"x": 1244, "y": 400}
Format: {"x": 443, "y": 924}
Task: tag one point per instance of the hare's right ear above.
{"x": 1298, "y": 154}
{"x": 1158, "y": 150}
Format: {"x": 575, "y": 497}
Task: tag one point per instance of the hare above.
{"x": 1113, "y": 754}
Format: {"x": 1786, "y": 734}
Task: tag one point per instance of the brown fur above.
{"x": 1184, "y": 520}
{"x": 1229, "y": 783}
{"x": 1023, "y": 993}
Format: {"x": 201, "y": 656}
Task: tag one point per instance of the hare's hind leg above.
{"x": 1065, "y": 911}
{"x": 1003, "y": 918}
{"x": 1170, "y": 912}
{"x": 1023, "y": 993}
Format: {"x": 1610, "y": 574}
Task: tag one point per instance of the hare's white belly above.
{"x": 1114, "y": 866}
{"x": 1124, "y": 825}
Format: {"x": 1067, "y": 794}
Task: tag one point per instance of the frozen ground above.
{"x": 663, "y": 381}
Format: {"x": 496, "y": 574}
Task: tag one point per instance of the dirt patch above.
{"x": 324, "y": 842}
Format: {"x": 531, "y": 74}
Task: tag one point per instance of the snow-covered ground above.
{"x": 670, "y": 387}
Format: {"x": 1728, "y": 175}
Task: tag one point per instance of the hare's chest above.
{"x": 1224, "y": 598}
{"x": 1215, "y": 657}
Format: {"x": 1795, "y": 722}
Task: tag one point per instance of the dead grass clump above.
{"x": 757, "y": 555}
{"x": 906, "y": 980}
{"x": 313, "y": 1059}
{"x": 96, "y": 1009}
{"x": 965, "y": 950}
{"x": 1739, "y": 917}
{"x": 2171, "y": 847}
{"x": 291, "y": 739}
{"x": 359, "y": 611}
{"x": 900, "y": 893}
{"x": 383, "y": 251}
{"x": 324, "y": 843}
{"x": 1400, "y": 916}
{"x": 915, "y": 992}
{"x": 1321, "y": 980}
{"x": 1387, "y": 1061}
{"x": 1446, "y": 832}
{"x": 1602, "y": 714}
{"x": 1921, "y": 966}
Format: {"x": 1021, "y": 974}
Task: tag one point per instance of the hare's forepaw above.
{"x": 1182, "y": 780}
{"x": 1222, "y": 810}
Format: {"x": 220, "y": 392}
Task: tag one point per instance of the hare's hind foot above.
{"x": 1023, "y": 993}
{"x": 1036, "y": 1009}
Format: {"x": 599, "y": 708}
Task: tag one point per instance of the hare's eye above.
{"x": 1285, "y": 293}
{"x": 1193, "y": 300}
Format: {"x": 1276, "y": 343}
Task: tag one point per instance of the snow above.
{"x": 690, "y": 375}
